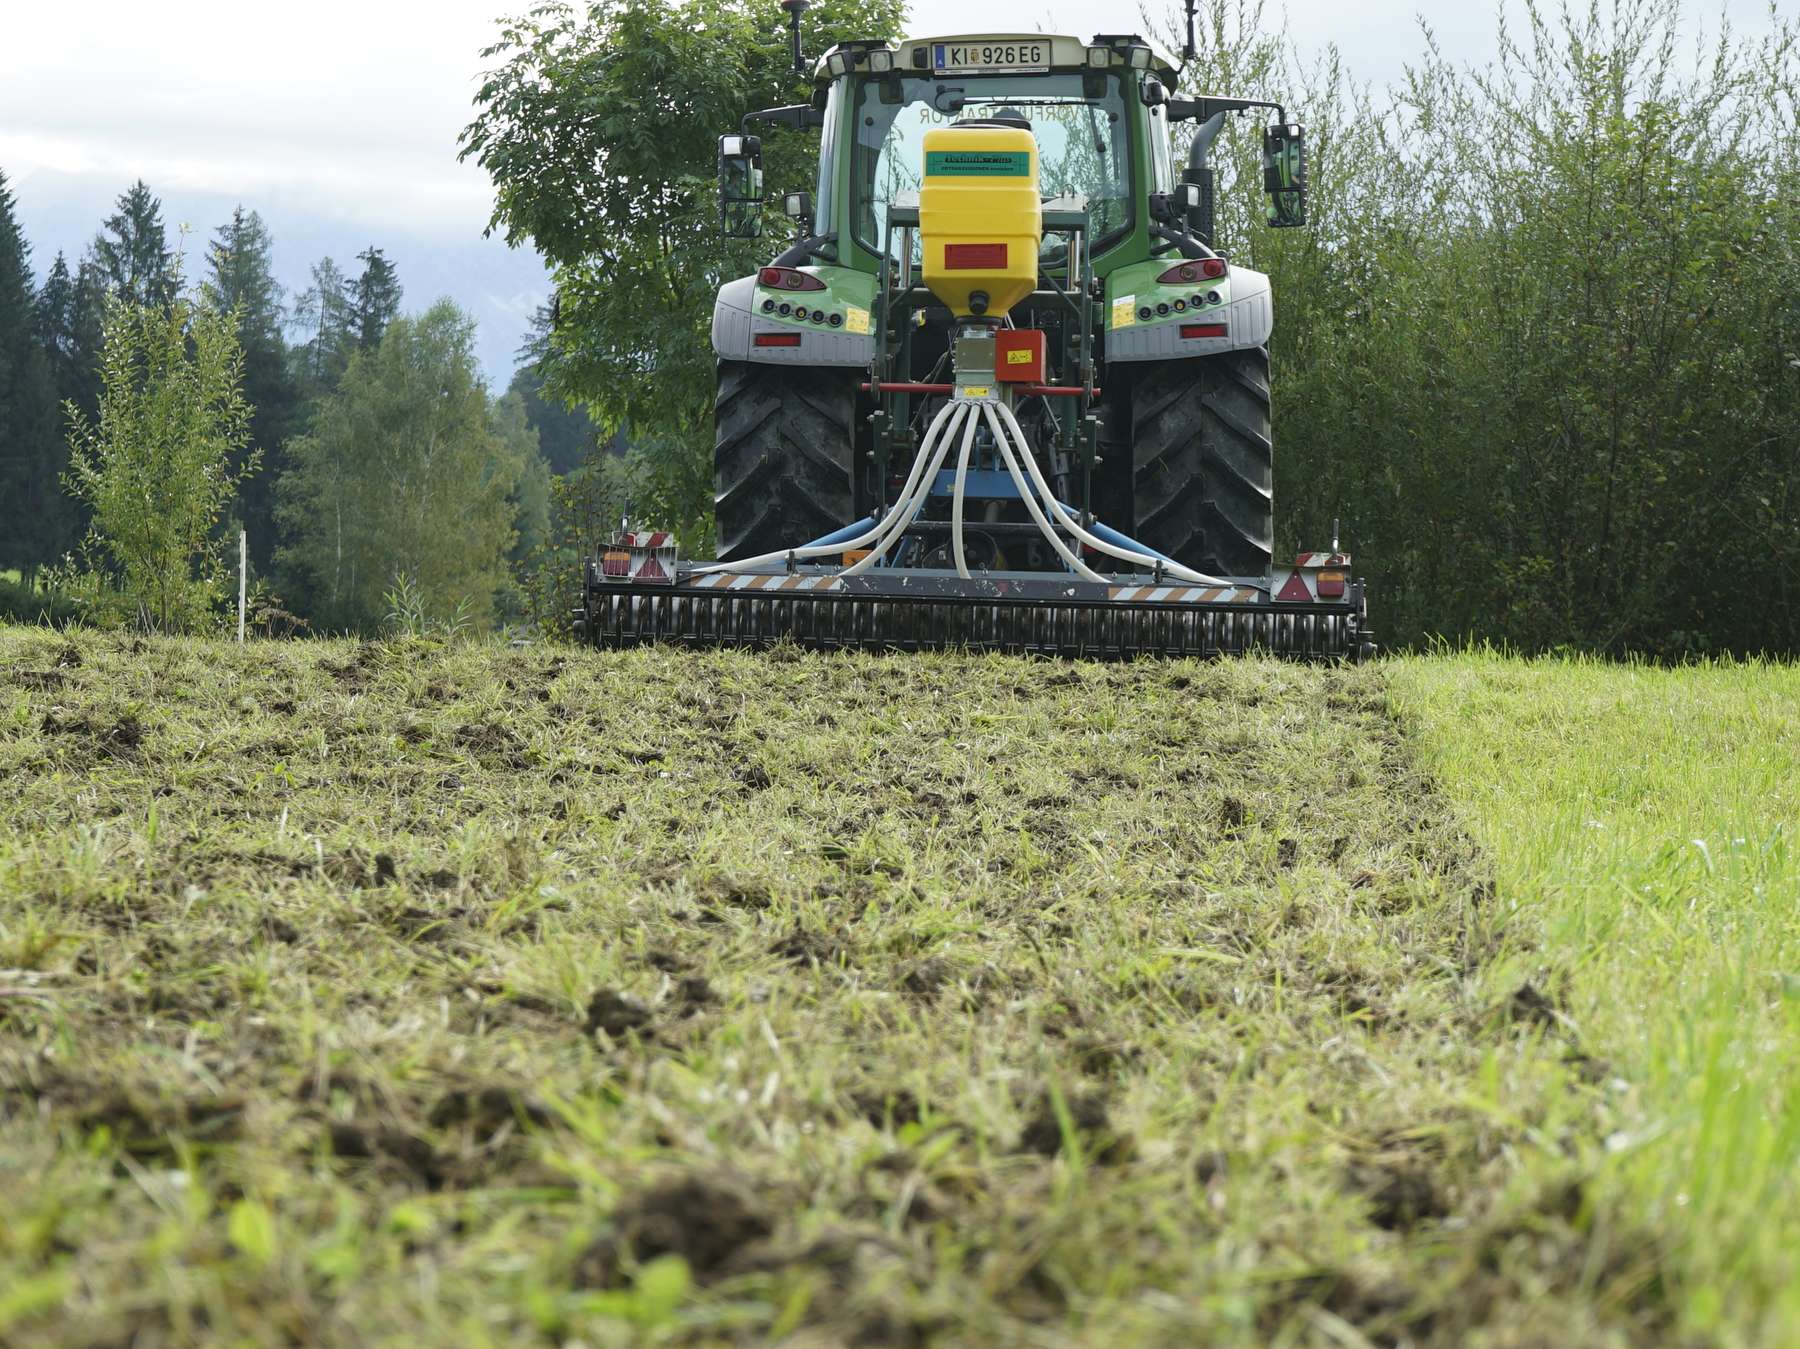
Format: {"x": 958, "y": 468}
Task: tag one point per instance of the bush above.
{"x": 22, "y": 602}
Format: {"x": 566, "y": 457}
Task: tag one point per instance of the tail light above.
{"x": 1193, "y": 270}
{"x": 787, "y": 278}
{"x": 1191, "y": 330}
{"x": 777, "y": 340}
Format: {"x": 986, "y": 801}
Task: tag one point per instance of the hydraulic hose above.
{"x": 826, "y": 549}
{"x": 1068, "y": 521}
{"x": 918, "y": 487}
{"x": 956, "y": 506}
{"x": 1026, "y": 495}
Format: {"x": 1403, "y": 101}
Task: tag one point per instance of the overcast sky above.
{"x": 338, "y": 120}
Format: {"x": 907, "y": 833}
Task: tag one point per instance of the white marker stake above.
{"x": 243, "y": 568}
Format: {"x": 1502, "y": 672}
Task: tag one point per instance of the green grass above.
{"x": 381, "y": 993}
{"x": 1643, "y": 824}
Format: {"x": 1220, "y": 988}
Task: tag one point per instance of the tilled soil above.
{"x": 357, "y": 993}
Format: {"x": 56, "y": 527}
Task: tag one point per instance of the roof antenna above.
{"x": 1189, "y": 51}
{"x": 795, "y": 8}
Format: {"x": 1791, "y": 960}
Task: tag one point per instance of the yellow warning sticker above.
{"x": 1020, "y": 356}
{"x": 976, "y": 390}
{"x": 856, "y": 320}
{"x": 1124, "y": 311}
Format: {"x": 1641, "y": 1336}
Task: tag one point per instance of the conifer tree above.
{"x": 322, "y": 321}
{"x": 375, "y": 297}
{"x": 240, "y": 280}
{"x": 132, "y": 252}
{"x": 28, "y": 473}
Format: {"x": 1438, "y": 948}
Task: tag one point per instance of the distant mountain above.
{"x": 498, "y": 286}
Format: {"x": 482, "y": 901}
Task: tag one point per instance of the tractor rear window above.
{"x": 1084, "y": 147}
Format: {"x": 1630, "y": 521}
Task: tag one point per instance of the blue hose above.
{"x": 1116, "y": 539}
{"x": 847, "y": 532}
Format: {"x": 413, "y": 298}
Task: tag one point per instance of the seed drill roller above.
{"x": 1002, "y": 393}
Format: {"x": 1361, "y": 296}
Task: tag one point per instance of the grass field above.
{"x": 399, "y": 992}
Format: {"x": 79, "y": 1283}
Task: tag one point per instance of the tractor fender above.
{"x": 736, "y": 324}
{"x": 1249, "y": 319}
{"x": 1252, "y": 309}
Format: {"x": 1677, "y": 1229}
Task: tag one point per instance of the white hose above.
{"x": 825, "y": 550}
{"x": 1069, "y": 522}
{"x": 1076, "y": 565}
{"x": 956, "y": 507}
{"x": 903, "y": 513}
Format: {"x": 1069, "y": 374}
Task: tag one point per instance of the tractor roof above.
{"x": 1066, "y": 53}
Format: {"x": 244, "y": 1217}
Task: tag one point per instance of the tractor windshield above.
{"x": 1079, "y": 121}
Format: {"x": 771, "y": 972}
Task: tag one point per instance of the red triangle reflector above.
{"x": 651, "y": 571}
{"x": 1295, "y": 590}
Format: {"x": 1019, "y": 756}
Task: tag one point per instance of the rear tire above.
{"x": 783, "y": 450}
{"x": 1203, "y": 464}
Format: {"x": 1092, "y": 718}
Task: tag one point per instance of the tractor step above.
{"x": 927, "y": 610}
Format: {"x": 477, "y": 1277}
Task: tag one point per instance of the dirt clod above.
{"x": 804, "y": 947}
{"x": 381, "y": 1142}
{"x": 707, "y": 1220}
{"x": 880, "y": 1106}
{"x": 1402, "y": 1190}
{"x": 1091, "y": 1122}
{"x": 695, "y": 991}
{"x": 488, "y": 1108}
{"x": 923, "y": 978}
{"x": 1231, "y": 815}
{"x": 1531, "y": 1005}
{"x": 618, "y": 1014}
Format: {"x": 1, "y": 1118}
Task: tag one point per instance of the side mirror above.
{"x": 1153, "y": 93}
{"x": 797, "y": 206}
{"x": 740, "y": 186}
{"x": 1284, "y": 174}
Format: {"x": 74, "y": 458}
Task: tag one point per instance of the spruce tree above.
{"x": 240, "y": 279}
{"x": 28, "y": 475}
{"x": 375, "y": 297}
{"x": 567, "y": 436}
{"x": 68, "y": 322}
{"x": 132, "y": 252}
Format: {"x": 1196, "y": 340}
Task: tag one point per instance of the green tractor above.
{"x": 1001, "y": 391}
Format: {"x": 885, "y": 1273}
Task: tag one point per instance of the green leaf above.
{"x": 661, "y": 1286}
{"x": 252, "y": 1230}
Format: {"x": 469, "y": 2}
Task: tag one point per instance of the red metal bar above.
{"x": 1028, "y": 390}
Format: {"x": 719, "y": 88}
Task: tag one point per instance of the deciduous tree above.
{"x": 599, "y": 127}
{"x": 155, "y": 464}
{"x": 323, "y": 321}
{"x": 402, "y": 473}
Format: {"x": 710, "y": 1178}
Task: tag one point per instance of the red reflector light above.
{"x": 787, "y": 278}
{"x": 1295, "y": 591}
{"x": 973, "y": 257}
{"x": 778, "y": 339}
{"x": 1203, "y": 330}
{"x": 1192, "y": 271}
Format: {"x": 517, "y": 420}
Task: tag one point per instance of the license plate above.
{"x": 957, "y": 57}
